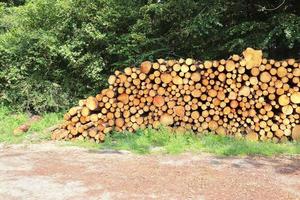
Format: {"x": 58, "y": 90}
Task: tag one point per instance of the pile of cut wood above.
{"x": 244, "y": 96}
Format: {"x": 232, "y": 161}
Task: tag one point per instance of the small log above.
{"x": 158, "y": 101}
{"x": 92, "y": 103}
{"x": 296, "y": 133}
{"x": 281, "y": 72}
{"x": 265, "y": 77}
{"x": 230, "y": 65}
{"x": 124, "y": 98}
{"x": 283, "y": 100}
{"x": 146, "y": 67}
{"x": 295, "y": 97}
{"x": 166, "y": 78}
{"x": 221, "y": 131}
{"x": 177, "y": 80}
{"x": 252, "y": 57}
{"x": 112, "y": 80}
{"x": 73, "y": 111}
{"x": 166, "y": 119}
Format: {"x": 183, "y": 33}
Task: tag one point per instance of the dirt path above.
{"x": 48, "y": 171}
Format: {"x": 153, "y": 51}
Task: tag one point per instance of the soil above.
{"x": 50, "y": 171}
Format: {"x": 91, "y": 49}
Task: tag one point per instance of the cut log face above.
{"x": 230, "y": 65}
{"x": 146, "y": 67}
{"x": 177, "y": 80}
{"x": 221, "y": 131}
{"x": 158, "y": 101}
{"x": 166, "y": 78}
{"x": 265, "y": 77}
{"x": 85, "y": 111}
{"x": 166, "y": 120}
{"x": 295, "y": 97}
{"x": 245, "y": 96}
{"x": 124, "y": 98}
{"x": 119, "y": 122}
{"x": 245, "y": 91}
{"x": 73, "y": 111}
{"x": 92, "y": 103}
{"x": 196, "y": 77}
{"x": 213, "y": 125}
{"x": 283, "y": 100}
{"x": 179, "y": 111}
{"x": 112, "y": 79}
{"x": 196, "y": 93}
{"x": 253, "y": 58}
{"x": 251, "y": 135}
{"x": 296, "y": 133}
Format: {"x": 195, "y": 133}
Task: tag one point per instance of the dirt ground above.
{"x": 54, "y": 172}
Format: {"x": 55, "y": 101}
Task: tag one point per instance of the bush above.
{"x": 54, "y": 52}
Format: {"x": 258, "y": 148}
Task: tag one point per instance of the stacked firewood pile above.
{"x": 244, "y": 96}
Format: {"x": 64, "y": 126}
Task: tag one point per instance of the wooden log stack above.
{"x": 244, "y": 96}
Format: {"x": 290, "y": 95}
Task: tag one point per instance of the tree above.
{"x": 54, "y": 52}
{"x": 13, "y": 2}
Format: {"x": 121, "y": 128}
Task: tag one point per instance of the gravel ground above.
{"x": 50, "y": 171}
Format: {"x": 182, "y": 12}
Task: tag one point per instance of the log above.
{"x": 281, "y": 72}
{"x": 92, "y": 103}
{"x": 196, "y": 77}
{"x": 179, "y": 111}
{"x": 146, "y": 67}
{"x": 124, "y": 98}
{"x": 252, "y": 136}
{"x": 73, "y": 111}
{"x": 158, "y": 101}
{"x": 112, "y": 79}
{"x": 244, "y": 91}
{"x": 265, "y": 77}
{"x": 295, "y": 97}
{"x": 221, "y": 131}
{"x": 166, "y": 78}
{"x": 177, "y": 80}
{"x": 166, "y": 119}
{"x": 287, "y": 109}
{"x": 283, "y": 100}
{"x": 252, "y": 57}
{"x": 213, "y": 125}
{"x": 296, "y": 133}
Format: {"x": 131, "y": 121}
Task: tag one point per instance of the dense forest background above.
{"x": 54, "y": 52}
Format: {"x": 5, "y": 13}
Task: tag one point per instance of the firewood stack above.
{"x": 244, "y": 96}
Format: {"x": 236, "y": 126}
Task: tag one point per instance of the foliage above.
{"x": 13, "y": 2}
{"x": 54, "y": 52}
{"x": 144, "y": 142}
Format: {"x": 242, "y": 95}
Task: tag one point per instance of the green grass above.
{"x": 10, "y": 120}
{"x": 143, "y": 142}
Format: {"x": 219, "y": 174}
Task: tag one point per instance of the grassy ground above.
{"x": 147, "y": 141}
{"x": 143, "y": 142}
{"x": 10, "y": 120}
